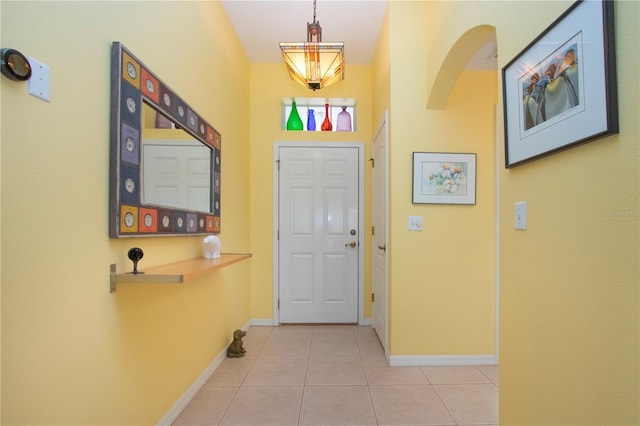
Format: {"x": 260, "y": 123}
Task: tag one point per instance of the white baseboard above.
{"x": 259, "y": 322}
{"x": 268, "y": 322}
{"x": 184, "y": 400}
{"x": 440, "y": 360}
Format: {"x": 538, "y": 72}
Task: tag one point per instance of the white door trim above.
{"x": 497, "y": 234}
{"x": 276, "y": 202}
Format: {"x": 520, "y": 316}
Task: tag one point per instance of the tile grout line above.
{"x": 444, "y": 404}
{"x": 366, "y": 378}
{"x": 226, "y": 409}
{"x": 304, "y": 382}
{"x": 488, "y": 378}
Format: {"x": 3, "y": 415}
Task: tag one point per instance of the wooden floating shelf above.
{"x": 178, "y": 272}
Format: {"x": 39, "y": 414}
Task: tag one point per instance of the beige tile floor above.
{"x": 337, "y": 375}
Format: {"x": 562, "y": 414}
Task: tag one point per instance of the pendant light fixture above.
{"x": 314, "y": 64}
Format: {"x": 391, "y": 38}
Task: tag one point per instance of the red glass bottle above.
{"x": 326, "y": 124}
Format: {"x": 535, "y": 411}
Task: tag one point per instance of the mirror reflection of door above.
{"x": 176, "y": 174}
{"x": 319, "y": 239}
{"x": 176, "y": 168}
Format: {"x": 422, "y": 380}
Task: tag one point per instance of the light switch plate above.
{"x": 415, "y": 223}
{"x": 521, "y": 215}
{"x": 39, "y": 81}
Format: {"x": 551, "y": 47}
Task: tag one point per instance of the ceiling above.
{"x": 262, "y": 24}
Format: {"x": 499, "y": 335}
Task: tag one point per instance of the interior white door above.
{"x": 318, "y": 234}
{"x": 379, "y": 249}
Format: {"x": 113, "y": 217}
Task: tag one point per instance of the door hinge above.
{"x": 373, "y": 162}
{"x": 373, "y": 230}
{"x": 278, "y": 304}
{"x": 278, "y": 164}
{"x": 278, "y": 236}
{"x": 373, "y": 297}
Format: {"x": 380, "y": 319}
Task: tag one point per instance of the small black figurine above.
{"x": 235, "y": 348}
{"x": 135, "y": 254}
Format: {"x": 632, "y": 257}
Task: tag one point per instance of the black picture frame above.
{"x": 561, "y": 89}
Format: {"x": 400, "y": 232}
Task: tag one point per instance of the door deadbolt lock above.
{"x": 352, "y": 232}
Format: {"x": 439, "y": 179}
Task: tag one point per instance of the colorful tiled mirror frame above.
{"x": 132, "y": 83}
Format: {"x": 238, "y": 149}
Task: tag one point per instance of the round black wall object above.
{"x": 15, "y": 65}
{"x": 135, "y": 254}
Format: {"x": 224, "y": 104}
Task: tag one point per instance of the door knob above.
{"x": 382, "y": 247}
{"x": 352, "y": 244}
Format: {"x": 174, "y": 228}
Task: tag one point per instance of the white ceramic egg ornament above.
{"x": 211, "y": 247}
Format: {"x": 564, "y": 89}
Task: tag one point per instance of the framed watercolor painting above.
{"x": 444, "y": 178}
{"x": 561, "y": 89}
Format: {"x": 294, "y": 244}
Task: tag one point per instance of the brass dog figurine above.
{"x": 235, "y": 348}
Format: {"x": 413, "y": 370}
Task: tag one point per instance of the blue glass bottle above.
{"x": 311, "y": 120}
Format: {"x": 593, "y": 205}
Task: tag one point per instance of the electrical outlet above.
{"x": 521, "y": 215}
{"x": 415, "y": 223}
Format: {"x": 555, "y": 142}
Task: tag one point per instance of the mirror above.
{"x": 165, "y": 158}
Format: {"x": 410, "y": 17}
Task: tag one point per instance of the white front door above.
{"x": 318, "y": 209}
{"x": 380, "y": 249}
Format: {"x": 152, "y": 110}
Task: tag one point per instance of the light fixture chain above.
{"x": 314, "y": 11}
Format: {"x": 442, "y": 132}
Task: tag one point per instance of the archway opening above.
{"x": 476, "y": 46}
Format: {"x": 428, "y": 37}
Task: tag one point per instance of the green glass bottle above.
{"x": 294, "y": 122}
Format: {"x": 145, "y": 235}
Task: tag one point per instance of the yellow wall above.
{"x": 380, "y": 73}
{"x": 270, "y": 84}
{"x": 72, "y": 353}
{"x": 569, "y": 284}
{"x": 442, "y": 279}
